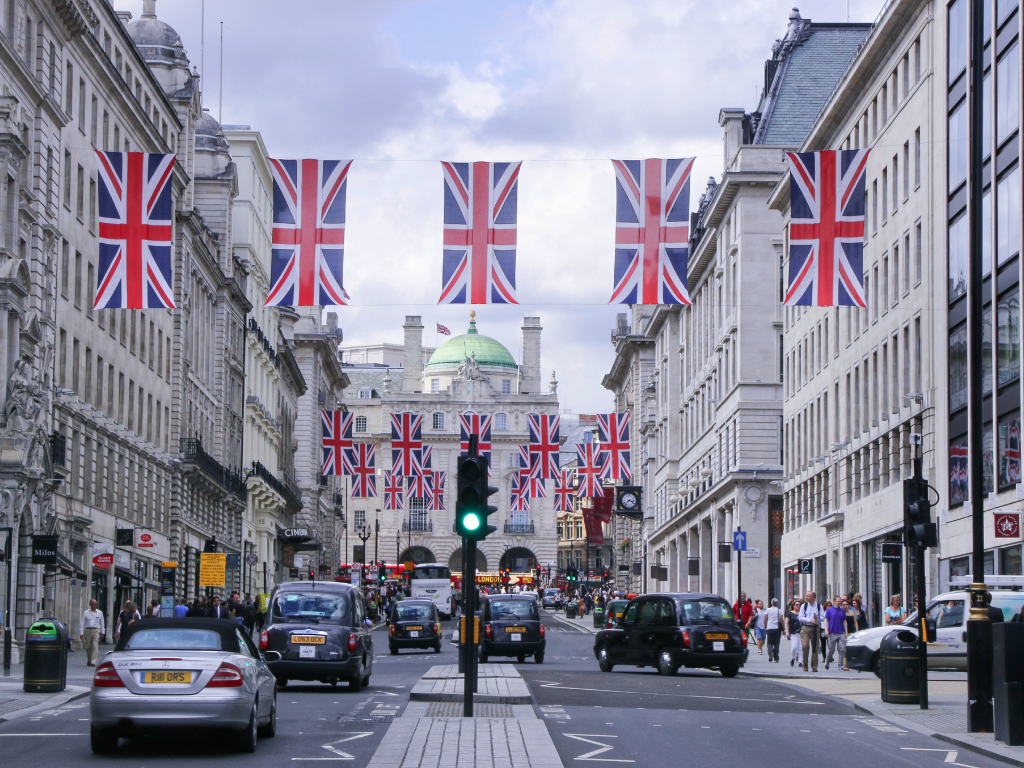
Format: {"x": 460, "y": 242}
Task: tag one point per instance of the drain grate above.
{"x": 13, "y": 705}
{"x": 454, "y": 709}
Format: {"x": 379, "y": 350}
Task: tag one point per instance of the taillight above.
{"x": 744, "y": 636}
{"x": 106, "y": 676}
{"x": 437, "y": 628}
{"x": 264, "y": 640}
{"x": 392, "y": 629}
{"x": 686, "y": 639}
{"x": 226, "y": 676}
{"x": 487, "y": 630}
{"x": 542, "y": 630}
{"x": 352, "y": 643}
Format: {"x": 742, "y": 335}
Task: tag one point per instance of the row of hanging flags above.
{"x": 411, "y": 472}
{"x": 652, "y": 229}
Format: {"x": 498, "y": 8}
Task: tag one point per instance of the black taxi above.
{"x": 414, "y": 624}
{"x": 320, "y": 629}
{"x": 510, "y": 626}
{"x": 669, "y": 631}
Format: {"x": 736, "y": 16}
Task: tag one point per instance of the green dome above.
{"x": 488, "y": 351}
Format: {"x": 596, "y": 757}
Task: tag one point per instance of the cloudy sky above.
{"x": 563, "y": 85}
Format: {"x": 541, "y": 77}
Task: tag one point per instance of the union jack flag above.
{"x": 337, "y": 442}
{"x": 958, "y": 474}
{"x": 613, "y": 441}
{"x": 565, "y": 493}
{"x": 443, "y": 330}
{"x": 652, "y": 231}
{"x": 436, "y": 498}
{"x": 475, "y": 424}
{"x": 530, "y": 465}
{"x": 590, "y": 468}
{"x": 406, "y": 440}
{"x": 544, "y": 443}
{"x": 309, "y": 233}
{"x": 422, "y": 459}
{"x": 1011, "y": 453}
{"x": 826, "y": 228}
{"x": 520, "y": 494}
{"x": 136, "y": 231}
{"x": 479, "y": 265}
{"x": 364, "y": 483}
{"x": 419, "y": 485}
{"x": 393, "y": 491}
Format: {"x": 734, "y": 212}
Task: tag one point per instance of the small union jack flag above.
{"x": 826, "y": 228}
{"x": 436, "y": 498}
{"x": 613, "y": 441}
{"x": 443, "y": 330}
{"x": 545, "y": 442}
{"x": 520, "y": 493}
{"x": 422, "y": 460}
{"x": 479, "y": 265}
{"x": 309, "y": 233}
{"x": 364, "y": 482}
{"x": 136, "y": 231}
{"x": 406, "y": 439}
{"x": 652, "y": 231}
{"x": 393, "y": 491}
{"x": 475, "y": 424}
{"x": 590, "y": 467}
{"x": 530, "y": 465}
{"x": 337, "y": 441}
{"x": 565, "y": 492}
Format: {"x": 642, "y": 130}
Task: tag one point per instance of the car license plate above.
{"x": 167, "y": 678}
{"x": 418, "y": 626}
{"x": 310, "y": 639}
{"x": 414, "y": 633}
{"x": 307, "y": 652}
{"x": 718, "y": 646}
{"x": 515, "y": 629}
{"x": 516, "y": 637}
{"x": 717, "y": 636}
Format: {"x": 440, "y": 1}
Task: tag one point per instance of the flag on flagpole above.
{"x": 443, "y": 330}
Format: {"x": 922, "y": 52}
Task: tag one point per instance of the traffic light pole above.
{"x": 469, "y": 647}
{"x": 922, "y": 636}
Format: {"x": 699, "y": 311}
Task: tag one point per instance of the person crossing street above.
{"x": 835, "y": 631}
{"x": 811, "y": 618}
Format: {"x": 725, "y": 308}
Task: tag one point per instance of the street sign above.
{"x": 168, "y": 581}
{"x": 892, "y": 552}
{"x": 1007, "y": 525}
{"x": 212, "y": 567}
{"x": 752, "y": 552}
{"x": 124, "y": 537}
{"x": 252, "y": 558}
{"x": 806, "y": 565}
{"x": 233, "y": 561}
{"x": 739, "y": 540}
{"x": 44, "y": 550}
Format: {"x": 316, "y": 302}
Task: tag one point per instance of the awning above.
{"x": 68, "y": 567}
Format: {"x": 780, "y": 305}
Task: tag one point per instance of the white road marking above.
{"x": 44, "y": 734}
{"x": 560, "y": 687}
{"x": 341, "y": 754}
{"x": 589, "y": 756}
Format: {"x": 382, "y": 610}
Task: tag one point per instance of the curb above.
{"x": 54, "y": 701}
{"x": 585, "y": 630}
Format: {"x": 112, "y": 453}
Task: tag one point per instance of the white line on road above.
{"x": 589, "y": 756}
{"x": 560, "y": 687}
{"x": 44, "y": 734}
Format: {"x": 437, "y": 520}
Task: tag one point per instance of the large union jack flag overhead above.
{"x": 475, "y": 424}
{"x": 393, "y": 491}
{"x": 406, "y": 442}
{"x": 613, "y": 442}
{"x": 826, "y": 228}
{"x": 479, "y": 265}
{"x": 565, "y": 493}
{"x": 652, "y": 231}
{"x": 590, "y": 465}
{"x": 136, "y": 232}
{"x": 309, "y": 233}
{"x": 364, "y": 483}
{"x": 337, "y": 442}
{"x": 544, "y": 443}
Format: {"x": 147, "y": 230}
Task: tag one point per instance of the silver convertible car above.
{"x": 183, "y": 673}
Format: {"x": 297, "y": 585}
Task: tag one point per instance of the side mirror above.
{"x": 929, "y": 627}
{"x": 271, "y": 656}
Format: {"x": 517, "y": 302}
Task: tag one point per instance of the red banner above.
{"x": 603, "y": 506}
{"x": 1007, "y": 525}
{"x": 595, "y": 534}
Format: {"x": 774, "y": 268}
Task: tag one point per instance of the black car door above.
{"x": 643, "y": 637}
{"x": 618, "y": 638}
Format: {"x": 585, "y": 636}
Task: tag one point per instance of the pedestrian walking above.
{"x": 811, "y": 617}
{"x": 822, "y": 634}
{"x": 742, "y": 610}
{"x": 759, "y": 626}
{"x": 835, "y": 631}
{"x": 128, "y": 615}
{"x": 774, "y": 622}
{"x": 895, "y": 613}
{"x": 857, "y": 606}
{"x": 91, "y": 630}
{"x": 181, "y": 609}
{"x": 793, "y": 630}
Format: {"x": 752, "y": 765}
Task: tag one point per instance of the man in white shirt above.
{"x": 811, "y": 618}
{"x": 91, "y": 629}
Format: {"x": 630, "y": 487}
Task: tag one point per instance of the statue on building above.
{"x": 553, "y": 384}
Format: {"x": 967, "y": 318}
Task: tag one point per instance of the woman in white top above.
{"x": 773, "y": 624}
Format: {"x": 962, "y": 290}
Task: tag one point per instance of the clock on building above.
{"x": 627, "y": 500}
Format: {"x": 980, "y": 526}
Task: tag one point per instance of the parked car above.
{"x": 669, "y": 631}
{"x": 949, "y": 651}
{"x": 511, "y": 626}
{"x": 415, "y": 624}
{"x": 319, "y": 629}
{"x": 185, "y": 674}
{"x": 553, "y": 598}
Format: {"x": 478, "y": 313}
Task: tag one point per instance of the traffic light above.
{"x": 919, "y": 530}
{"x": 382, "y": 572}
{"x": 471, "y": 508}
{"x": 571, "y": 574}
{"x": 312, "y": 574}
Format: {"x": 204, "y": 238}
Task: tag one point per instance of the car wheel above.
{"x": 437, "y": 648}
{"x": 876, "y": 665}
{"x": 539, "y": 657}
{"x": 245, "y": 741}
{"x": 521, "y": 658}
{"x": 603, "y": 661}
{"x": 394, "y": 651}
{"x": 665, "y": 665}
{"x": 103, "y": 741}
{"x": 282, "y": 682}
{"x": 355, "y": 685}
{"x": 729, "y": 670}
{"x": 269, "y": 729}
{"x": 483, "y": 657}
{"x": 334, "y": 683}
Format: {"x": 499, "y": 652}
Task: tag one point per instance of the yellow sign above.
{"x": 264, "y": 598}
{"x": 211, "y": 569}
{"x": 170, "y": 564}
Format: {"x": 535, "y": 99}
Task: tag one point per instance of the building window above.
{"x": 364, "y": 393}
{"x": 501, "y": 421}
{"x": 1008, "y": 216}
{"x": 958, "y": 369}
{"x": 986, "y": 350}
{"x": 1007, "y": 98}
{"x": 360, "y": 423}
{"x": 360, "y": 518}
{"x": 958, "y": 146}
{"x": 419, "y": 517}
{"x": 1009, "y": 451}
{"x": 438, "y": 421}
{"x": 957, "y": 258}
{"x": 1008, "y": 337}
{"x": 506, "y": 387}
{"x": 957, "y": 38}
{"x": 435, "y": 385}
{"x": 559, "y": 536}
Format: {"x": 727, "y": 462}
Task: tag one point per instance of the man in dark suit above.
{"x": 219, "y": 611}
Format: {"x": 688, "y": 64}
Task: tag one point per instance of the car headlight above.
{"x": 854, "y": 636}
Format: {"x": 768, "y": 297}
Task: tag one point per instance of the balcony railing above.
{"x": 192, "y": 453}
{"x": 267, "y": 476}
{"x": 418, "y": 526}
{"x": 58, "y": 449}
{"x": 339, "y": 499}
{"x": 522, "y": 528}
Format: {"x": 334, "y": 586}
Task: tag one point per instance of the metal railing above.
{"x": 519, "y": 528}
{"x": 268, "y": 477}
{"x": 58, "y": 449}
{"x": 418, "y": 526}
{"x": 192, "y": 453}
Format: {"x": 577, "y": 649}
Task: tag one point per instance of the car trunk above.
{"x": 168, "y": 672}
{"x": 704, "y": 636}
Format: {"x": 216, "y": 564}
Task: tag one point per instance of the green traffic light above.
{"x": 471, "y": 521}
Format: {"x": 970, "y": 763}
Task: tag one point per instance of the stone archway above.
{"x": 518, "y": 560}
{"x": 417, "y": 555}
{"x": 455, "y": 561}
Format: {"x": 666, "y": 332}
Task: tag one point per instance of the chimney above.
{"x": 412, "y": 359}
{"x": 530, "y": 369}
{"x": 149, "y": 9}
{"x": 731, "y": 119}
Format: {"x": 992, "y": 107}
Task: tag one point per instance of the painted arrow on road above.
{"x": 589, "y": 739}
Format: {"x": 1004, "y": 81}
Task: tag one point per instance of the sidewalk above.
{"x": 759, "y": 666}
{"x": 15, "y": 703}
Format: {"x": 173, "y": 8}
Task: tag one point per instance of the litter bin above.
{"x": 899, "y": 668}
{"x": 1008, "y": 682}
{"x": 599, "y": 617}
{"x": 46, "y": 656}
{"x": 570, "y": 611}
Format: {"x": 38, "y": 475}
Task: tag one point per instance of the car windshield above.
{"x": 429, "y": 573}
{"x": 174, "y": 640}
{"x": 517, "y": 609}
{"x": 706, "y": 611}
{"x": 310, "y": 606}
{"x": 414, "y": 612}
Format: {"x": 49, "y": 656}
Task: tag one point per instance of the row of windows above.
{"x": 437, "y": 422}
{"x": 1009, "y": 459}
{"x": 1007, "y": 362}
{"x": 890, "y": 94}
{"x": 566, "y": 530}
{"x": 891, "y": 184}
{"x": 506, "y": 386}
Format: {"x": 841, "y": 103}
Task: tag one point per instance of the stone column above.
{"x": 412, "y": 375}
{"x": 530, "y": 377}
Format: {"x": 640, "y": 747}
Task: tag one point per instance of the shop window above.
{"x": 1009, "y": 451}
